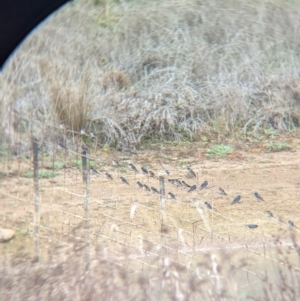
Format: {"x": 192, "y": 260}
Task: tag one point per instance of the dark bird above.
{"x": 146, "y": 187}
{"x": 115, "y": 163}
{"x": 222, "y": 191}
{"x": 133, "y": 167}
{"x": 84, "y": 148}
{"x": 258, "y": 197}
{"x": 166, "y": 171}
{"x": 208, "y": 205}
{"x": 145, "y": 171}
{"x": 203, "y": 185}
{"x": 151, "y": 174}
{"x": 171, "y": 196}
{"x": 94, "y": 170}
{"x": 194, "y": 187}
{"x": 109, "y": 176}
{"x": 191, "y": 173}
{"x": 140, "y": 184}
{"x": 269, "y": 214}
{"x": 236, "y": 199}
{"x": 185, "y": 184}
{"x": 154, "y": 190}
{"x": 291, "y": 224}
{"x": 172, "y": 181}
{"x": 251, "y": 226}
{"x": 124, "y": 180}
{"x": 62, "y": 145}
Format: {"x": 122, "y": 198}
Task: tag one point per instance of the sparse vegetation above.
{"x": 43, "y": 174}
{"x": 219, "y": 150}
{"x": 277, "y": 146}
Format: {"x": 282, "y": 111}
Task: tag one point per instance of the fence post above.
{"x": 35, "y": 148}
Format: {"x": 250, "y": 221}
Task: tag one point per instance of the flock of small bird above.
{"x": 181, "y": 183}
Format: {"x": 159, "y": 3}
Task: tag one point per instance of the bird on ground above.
{"x": 109, "y": 176}
{"x": 154, "y": 190}
{"x": 291, "y": 224}
{"x": 84, "y": 148}
{"x": 269, "y": 214}
{"x": 146, "y": 187}
{"x": 251, "y": 226}
{"x": 178, "y": 183}
{"x": 203, "y": 185}
{"x": 222, "y": 191}
{"x": 145, "y": 171}
{"x": 191, "y": 173}
{"x": 151, "y": 174}
{"x": 166, "y": 171}
{"x": 172, "y": 181}
{"x": 186, "y": 185}
{"x": 124, "y": 180}
{"x": 115, "y": 163}
{"x": 171, "y": 196}
{"x": 208, "y": 205}
{"x": 94, "y": 170}
{"x": 133, "y": 167}
{"x": 236, "y": 199}
{"x": 194, "y": 187}
{"x": 258, "y": 197}
{"x": 140, "y": 184}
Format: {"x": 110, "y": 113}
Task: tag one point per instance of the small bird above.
{"x": 269, "y": 214}
{"x": 172, "y": 181}
{"x": 115, "y": 163}
{"x": 166, "y": 171}
{"x": 83, "y": 132}
{"x": 133, "y": 167}
{"x": 194, "y": 187}
{"x": 185, "y": 184}
{"x": 124, "y": 180}
{"x": 236, "y": 199}
{"x": 151, "y": 174}
{"x": 191, "y": 173}
{"x": 222, "y": 191}
{"x": 92, "y": 134}
{"x": 84, "y": 148}
{"x": 208, "y": 205}
{"x": 62, "y": 125}
{"x": 178, "y": 183}
{"x": 171, "y": 196}
{"x": 203, "y": 185}
{"x": 154, "y": 190}
{"x": 140, "y": 184}
{"x": 146, "y": 187}
{"x": 251, "y": 226}
{"x": 145, "y": 171}
{"x": 258, "y": 197}
{"x": 109, "y": 176}
{"x": 94, "y": 170}
{"x": 291, "y": 224}
{"x": 62, "y": 145}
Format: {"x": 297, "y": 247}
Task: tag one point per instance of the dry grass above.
{"x": 139, "y": 69}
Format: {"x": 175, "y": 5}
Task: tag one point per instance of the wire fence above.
{"x": 59, "y": 196}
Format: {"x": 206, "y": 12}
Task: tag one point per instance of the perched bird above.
{"x": 171, "y": 196}
{"x": 62, "y": 145}
{"x": 222, "y": 191}
{"x": 115, "y": 163}
{"x": 83, "y": 132}
{"x": 251, "y": 226}
{"x": 146, "y": 187}
{"x": 151, "y": 174}
{"x": 94, "y": 170}
{"x": 124, "y": 180}
{"x": 203, "y": 185}
{"x": 185, "y": 184}
{"x": 84, "y": 148}
{"x": 62, "y": 125}
{"x": 269, "y": 214}
{"x": 208, "y": 205}
{"x": 154, "y": 190}
{"x": 191, "y": 173}
{"x": 109, "y": 176}
{"x": 194, "y": 187}
{"x": 133, "y": 167}
{"x": 92, "y": 134}
{"x": 236, "y": 199}
{"x": 140, "y": 184}
{"x": 145, "y": 171}
{"x": 291, "y": 224}
{"x": 258, "y": 197}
